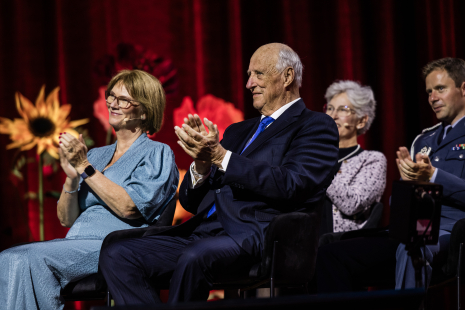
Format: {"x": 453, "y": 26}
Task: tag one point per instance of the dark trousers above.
{"x": 131, "y": 267}
{"x": 351, "y": 264}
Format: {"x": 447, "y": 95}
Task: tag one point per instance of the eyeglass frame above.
{"x": 351, "y": 111}
{"x": 130, "y": 102}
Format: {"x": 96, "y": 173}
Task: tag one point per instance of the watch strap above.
{"x": 88, "y": 171}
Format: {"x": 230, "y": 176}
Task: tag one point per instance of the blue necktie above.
{"x": 263, "y": 124}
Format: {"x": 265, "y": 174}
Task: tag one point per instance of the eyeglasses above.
{"x": 123, "y": 102}
{"x": 341, "y": 111}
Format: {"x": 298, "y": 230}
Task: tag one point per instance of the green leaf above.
{"x": 17, "y": 174}
{"x": 85, "y": 135}
{"x": 53, "y": 194}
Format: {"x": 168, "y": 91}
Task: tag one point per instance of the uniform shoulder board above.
{"x": 430, "y": 128}
{"x": 412, "y": 148}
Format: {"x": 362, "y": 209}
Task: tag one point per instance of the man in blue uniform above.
{"x": 437, "y": 155}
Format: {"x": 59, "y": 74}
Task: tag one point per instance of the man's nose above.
{"x": 434, "y": 96}
{"x": 250, "y": 83}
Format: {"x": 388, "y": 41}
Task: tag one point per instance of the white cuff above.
{"x": 435, "y": 173}
{"x": 225, "y": 161}
{"x": 199, "y": 181}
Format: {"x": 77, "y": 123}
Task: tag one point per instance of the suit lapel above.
{"x": 286, "y": 119}
{"x": 241, "y": 135}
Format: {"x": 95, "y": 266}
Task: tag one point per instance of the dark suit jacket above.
{"x": 451, "y": 173}
{"x": 287, "y": 168}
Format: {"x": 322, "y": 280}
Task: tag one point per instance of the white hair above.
{"x": 361, "y": 97}
{"x": 288, "y": 58}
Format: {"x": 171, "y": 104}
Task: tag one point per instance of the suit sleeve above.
{"x": 453, "y": 189}
{"x": 190, "y": 198}
{"x": 306, "y": 169}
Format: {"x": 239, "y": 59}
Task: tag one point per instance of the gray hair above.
{"x": 361, "y": 97}
{"x": 288, "y": 58}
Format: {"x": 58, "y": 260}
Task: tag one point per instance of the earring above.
{"x": 142, "y": 117}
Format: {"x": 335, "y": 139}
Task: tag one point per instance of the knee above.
{"x": 326, "y": 252}
{"x": 401, "y": 252}
{"x": 190, "y": 257}
{"x": 111, "y": 254}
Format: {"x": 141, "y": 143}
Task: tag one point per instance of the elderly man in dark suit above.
{"x": 280, "y": 162}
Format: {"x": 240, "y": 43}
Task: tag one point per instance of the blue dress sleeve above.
{"x": 153, "y": 183}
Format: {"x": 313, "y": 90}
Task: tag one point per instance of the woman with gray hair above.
{"x": 361, "y": 177}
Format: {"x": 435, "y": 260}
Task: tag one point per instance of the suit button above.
{"x": 218, "y": 191}
{"x": 436, "y": 158}
{"x": 186, "y": 191}
{"x": 461, "y": 156}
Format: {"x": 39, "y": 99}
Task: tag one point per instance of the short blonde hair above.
{"x": 148, "y": 91}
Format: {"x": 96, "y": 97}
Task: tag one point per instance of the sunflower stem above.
{"x": 41, "y": 199}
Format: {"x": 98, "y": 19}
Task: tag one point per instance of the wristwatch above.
{"x": 88, "y": 171}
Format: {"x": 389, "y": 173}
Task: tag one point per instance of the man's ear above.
{"x": 289, "y": 76}
{"x": 462, "y": 89}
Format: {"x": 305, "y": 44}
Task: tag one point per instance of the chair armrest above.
{"x": 457, "y": 236}
{"x": 297, "y": 236}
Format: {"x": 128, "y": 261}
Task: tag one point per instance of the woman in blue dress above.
{"x": 120, "y": 186}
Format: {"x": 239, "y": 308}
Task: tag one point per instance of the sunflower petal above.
{"x": 29, "y": 146}
{"x": 77, "y": 123}
{"x": 63, "y": 113}
{"x": 72, "y": 132}
{"x": 52, "y": 150}
{"x": 52, "y": 103}
{"x": 5, "y": 125}
{"x": 40, "y": 104}
{"x": 25, "y": 107}
{"x": 41, "y": 146}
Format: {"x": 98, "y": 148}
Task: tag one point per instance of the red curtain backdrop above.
{"x": 383, "y": 44}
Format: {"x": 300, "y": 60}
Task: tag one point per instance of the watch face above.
{"x": 89, "y": 170}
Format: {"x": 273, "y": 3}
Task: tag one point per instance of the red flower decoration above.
{"x": 129, "y": 56}
{"x": 217, "y": 110}
{"x": 101, "y": 109}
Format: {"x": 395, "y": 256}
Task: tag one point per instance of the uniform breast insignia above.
{"x": 425, "y": 150}
{"x": 458, "y": 147}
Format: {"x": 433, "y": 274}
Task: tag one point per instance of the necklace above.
{"x": 342, "y": 159}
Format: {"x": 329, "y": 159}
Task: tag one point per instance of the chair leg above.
{"x": 305, "y": 287}
{"x": 459, "y": 272}
{"x": 108, "y": 298}
{"x": 273, "y": 260}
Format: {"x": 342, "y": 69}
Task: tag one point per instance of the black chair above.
{"x": 372, "y": 223}
{"x": 452, "y": 271}
{"x": 289, "y": 255}
{"x": 94, "y": 287}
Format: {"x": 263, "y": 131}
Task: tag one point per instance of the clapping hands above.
{"x": 204, "y": 147}
{"x": 422, "y": 170}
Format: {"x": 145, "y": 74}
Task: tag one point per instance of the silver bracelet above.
{"x": 71, "y": 192}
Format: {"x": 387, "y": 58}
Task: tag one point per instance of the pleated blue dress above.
{"x": 32, "y": 275}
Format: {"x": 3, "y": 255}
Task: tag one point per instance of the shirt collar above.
{"x": 456, "y": 122}
{"x": 281, "y": 110}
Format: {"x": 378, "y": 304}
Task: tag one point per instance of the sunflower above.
{"x": 40, "y": 124}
